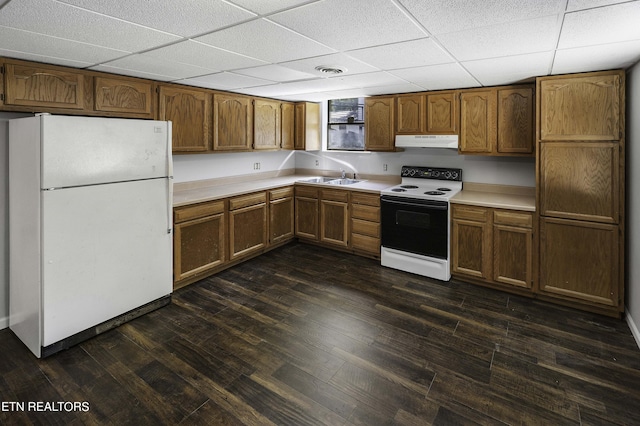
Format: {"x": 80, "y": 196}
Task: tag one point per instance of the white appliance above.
{"x": 90, "y": 226}
{"x": 415, "y": 221}
{"x": 427, "y": 141}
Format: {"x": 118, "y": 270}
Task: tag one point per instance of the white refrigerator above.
{"x": 90, "y": 226}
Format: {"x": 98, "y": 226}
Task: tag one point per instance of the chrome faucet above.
{"x": 344, "y": 174}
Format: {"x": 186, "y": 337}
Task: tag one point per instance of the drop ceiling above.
{"x": 272, "y": 47}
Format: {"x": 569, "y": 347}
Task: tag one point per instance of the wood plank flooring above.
{"x": 308, "y": 336}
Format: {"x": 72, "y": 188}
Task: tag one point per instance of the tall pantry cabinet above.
{"x": 580, "y": 173}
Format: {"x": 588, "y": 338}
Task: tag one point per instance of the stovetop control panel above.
{"x": 431, "y": 173}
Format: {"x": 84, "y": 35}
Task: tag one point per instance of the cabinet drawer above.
{"x": 247, "y": 200}
{"x": 513, "y": 218}
{"x": 369, "y": 213}
{"x": 305, "y": 191}
{"x": 479, "y": 214}
{"x": 364, "y": 227}
{"x": 335, "y": 195}
{"x": 365, "y": 199}
{"x": 276, "y": 194}
{"x": 365, "y": 243}
{"x": 182, "y": 214}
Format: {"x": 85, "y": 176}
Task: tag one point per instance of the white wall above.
{"x": 633, "y": 201}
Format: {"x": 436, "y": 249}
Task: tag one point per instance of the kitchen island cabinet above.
{"x": 199, "y": 242}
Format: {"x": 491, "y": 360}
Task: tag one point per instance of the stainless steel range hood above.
{"x": 427, "y": 141}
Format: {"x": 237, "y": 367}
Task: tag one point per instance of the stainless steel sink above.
{"x": 345, "y": 181}
{"x": 321, "y": 179}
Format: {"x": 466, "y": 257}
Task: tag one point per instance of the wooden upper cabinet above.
{"x": 124, "y": 96}
{"x": 307, "y": 126}
{"x": 580, "y": 107}
{"x": 442, "y": 113}
{"x": 515, "y": 120}
{"x": 233, "y": 123}
{"x": 379, "y": 127}
{"x": 190, "y": 112}
{"x": 478, "y": 122}
{"x": 287, "y": 126}
{"x": 412, "y": 114}
{"x": 266, "y": 124}
{"x": 45, "y": 87}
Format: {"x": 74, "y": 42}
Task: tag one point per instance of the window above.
{"x": 346, "y": 124}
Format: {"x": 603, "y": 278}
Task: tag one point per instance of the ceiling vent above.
{"x": 329, "y": 69}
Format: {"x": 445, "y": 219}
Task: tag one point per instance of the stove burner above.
{"x": 444, "y": 189}
{"x": 434, "y": 193}
{"x": 409, "y": 186}
{"x": 399, "y": 190}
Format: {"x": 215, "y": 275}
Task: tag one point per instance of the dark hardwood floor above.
{"x": 304, "y": 336}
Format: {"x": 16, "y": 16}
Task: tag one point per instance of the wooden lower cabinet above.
{"x": 307, "y": 213}
{"x": 281, "y": 210}
{"x": 334, "y": 217}
{"x": 199, "y": 239}
{"x": 579, "y": 261}
{"x": 365, "y": 223}
{"x": 247, "y": 224}
{"x": 494, "y": 246}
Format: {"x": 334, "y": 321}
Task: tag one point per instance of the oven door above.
{"x": 415, "y": 225}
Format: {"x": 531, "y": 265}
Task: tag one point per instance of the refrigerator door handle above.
{"x": 170, "y": 178}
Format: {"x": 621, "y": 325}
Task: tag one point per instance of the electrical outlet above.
{"x": 317, "y": 163}
{"x": 256, "y": 166}
{"x": 384, "y": 167}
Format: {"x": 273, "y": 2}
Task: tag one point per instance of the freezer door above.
{"x": 107, "y": 250}
{"x": 80, "y": 151}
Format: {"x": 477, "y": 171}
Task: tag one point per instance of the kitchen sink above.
{"x": 345, "y": 181}
{"x": 321, "y": 179}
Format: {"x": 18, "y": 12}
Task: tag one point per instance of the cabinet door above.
{"x": 124, "y": 96}
{"x": 478, "y": 121}
{"x": 190, "y": 112}
{"x": 266, "y": 124}
{"x": 199, "y": 245}
{"x": 334, "y": 221}
{"x": 512, "y": 255}
{"x": 412, "y": 114}
{"x": 233, "y": 123}
{"x": 307, "y": 213}
{"x": 307, "y": 126}
{"x": 580, "y": 107}
{"x": 281, "y": 222}
{"x": 579, "y": 180}
{"x": 44, "y": 87}
{"x": 287, "y": 128}
{"x": 579, "y": 261}
{"x": 515, "y": 121}
{"x": 471, "y": 241}
{"x": 442, "y": 113}
{"x": 379, "y": 126}
{"x": 247, "y": 230}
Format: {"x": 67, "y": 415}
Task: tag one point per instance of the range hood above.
{"x": 427, "y": 141}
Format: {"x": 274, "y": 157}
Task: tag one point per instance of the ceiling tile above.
{"x": 513, "y": 38}
{"x": 265, "y": 40}
{"x": 61, "y": 20}
{"x": 340, "y": 60}
{"x": 436, "y": 77}
{"x": 275, "y": 73}
{"x": 203, "y": 55}
{"x": 133, "y": 73}
{"x": 348, "y": 25}
{"x": 602, "y": 25}
{"x": 265, "y": 7}
{"x": 148, "y": 64}
{"x": 600, "y": 57}
{"x": 43, "y": 58}
{"x": 368, "y": 80}
{"x": 510, "y": 69}
{"x": 573, "y": 5}
{"x": 181, "y": 17}
{"x": 407, "y": 54}
{"x": 67, "y": 50}
{"x": 440, "y": 17}
{"x": 225, "y": 81}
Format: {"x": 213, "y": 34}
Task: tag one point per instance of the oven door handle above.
{"x": 410, "y": 204}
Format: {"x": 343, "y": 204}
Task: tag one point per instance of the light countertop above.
{"x": 497, "y": 196}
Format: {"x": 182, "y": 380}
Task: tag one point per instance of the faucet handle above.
{"x": 344, "y": 174}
